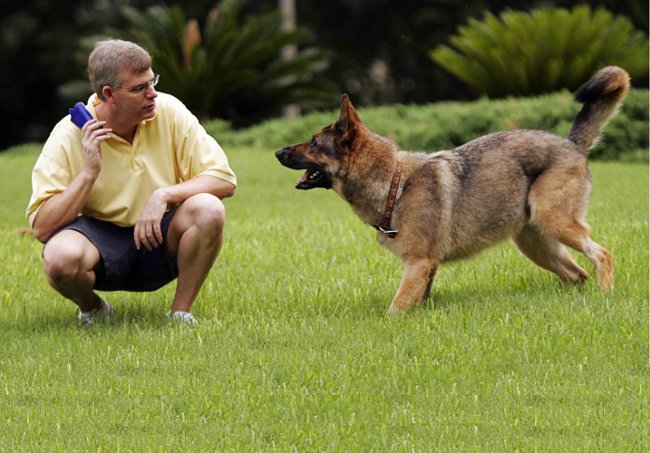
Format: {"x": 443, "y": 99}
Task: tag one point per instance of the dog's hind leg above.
{"x": 558, "y": 201}
{"x": 416, "y": 284}
{"x": 576, "y": 236}
{"x": 549, "y": 254}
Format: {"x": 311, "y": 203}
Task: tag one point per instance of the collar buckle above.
{"x": 390, "y": 233}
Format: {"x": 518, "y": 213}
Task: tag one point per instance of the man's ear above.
{"x": 348, "y": 118}
{"x": 107, "y": 91}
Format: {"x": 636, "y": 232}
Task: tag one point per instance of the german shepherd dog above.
{"x": 530, "y": 185}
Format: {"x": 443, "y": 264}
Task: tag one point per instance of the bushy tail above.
{"x": 601, "y": 96}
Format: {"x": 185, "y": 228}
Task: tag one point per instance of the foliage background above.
{"x": 231, "y": 65}
{"x": 523, "y": 54}
{"x": 379, "y": 53}
{"x": 446, "y": 125}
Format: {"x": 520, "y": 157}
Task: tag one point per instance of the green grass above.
{"x": 294, "y": 351}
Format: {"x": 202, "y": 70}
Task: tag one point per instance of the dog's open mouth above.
{"x": 315, "y": 175}
{"x": 314, "y": 178}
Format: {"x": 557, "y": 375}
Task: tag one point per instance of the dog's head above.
{"x": 325, "y": 156}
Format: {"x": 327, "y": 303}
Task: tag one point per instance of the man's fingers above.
{"x": 147, "y": 235}
{"x": 158, "y": 233}
{"x": 96, "y": 129}
{"x": 104, "y": 135}
{"x": 136, "y": 236}
{"x": 88, "y": 124}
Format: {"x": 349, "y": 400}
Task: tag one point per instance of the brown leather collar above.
{"x": 384, "y": 226}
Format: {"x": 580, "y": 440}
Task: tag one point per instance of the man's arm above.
{"x": 62, "y": 208}
{"x": 201, "y": 184}
{"x": 147, "y": 230}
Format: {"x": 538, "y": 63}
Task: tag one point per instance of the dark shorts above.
{"x": 122, "y": 267}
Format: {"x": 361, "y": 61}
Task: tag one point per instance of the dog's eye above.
{"x": 312, "y": 142}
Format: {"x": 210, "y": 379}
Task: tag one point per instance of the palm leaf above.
{"x": 236, "y": 65}
{"x": 545, "y": 50}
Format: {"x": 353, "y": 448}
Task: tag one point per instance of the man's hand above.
{"x": 147, "y": 230}
{"x": 63, "y": 207}
{"x": 93, "y": 134}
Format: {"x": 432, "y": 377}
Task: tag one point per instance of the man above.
{"x": 131, "y": 200}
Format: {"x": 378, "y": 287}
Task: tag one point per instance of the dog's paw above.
{"x": 395, "y": 311}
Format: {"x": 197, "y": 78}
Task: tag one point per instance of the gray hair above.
{"x": 109, "y": 58}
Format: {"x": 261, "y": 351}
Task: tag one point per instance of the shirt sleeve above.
{"x": 200, "y": 154}
{"x": 48, "y": 178}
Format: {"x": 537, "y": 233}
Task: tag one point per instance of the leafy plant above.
{"x": 546, "y": 50}
{"x": 229, "y": 69}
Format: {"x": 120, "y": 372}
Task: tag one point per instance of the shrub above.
{"x": 229, "y": 69}
{"x": 445, "y": 125}
{"x": 543, "y": 51}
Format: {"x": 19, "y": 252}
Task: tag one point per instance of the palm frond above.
{"x": 232, "y": 64}
{"x": 542, "y": 51}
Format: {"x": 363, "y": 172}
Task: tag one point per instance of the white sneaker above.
{"x": 102, "y": 314}
{"x": 182, "y": 317}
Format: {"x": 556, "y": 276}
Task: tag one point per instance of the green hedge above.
{"x": 444, "y": 125}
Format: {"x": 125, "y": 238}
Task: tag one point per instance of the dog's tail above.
{"x": 601, "y": 95}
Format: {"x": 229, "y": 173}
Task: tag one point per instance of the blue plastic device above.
{"x": 79, "y": 115}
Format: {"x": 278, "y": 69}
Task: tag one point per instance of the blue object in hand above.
{"x": 79, "y": 115}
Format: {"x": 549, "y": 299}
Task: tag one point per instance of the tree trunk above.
{"x": 288, "y": 10}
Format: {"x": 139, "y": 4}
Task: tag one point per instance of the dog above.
{"x": 529, "y": 185}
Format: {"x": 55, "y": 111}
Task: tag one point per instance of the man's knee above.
{"x": 65, "y": 256}
{"x": 61, "y": 265}
{"x": 208, "y": 212}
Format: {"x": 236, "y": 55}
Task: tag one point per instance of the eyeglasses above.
{"x": 141, "y": 88}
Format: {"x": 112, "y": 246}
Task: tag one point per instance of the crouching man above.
{"x": 132, "y": 200}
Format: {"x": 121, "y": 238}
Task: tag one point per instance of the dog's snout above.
{"x": 283, "y": 155}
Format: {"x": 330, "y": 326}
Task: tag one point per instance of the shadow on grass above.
{"x": 147, "y": 310}
{"x": 472, "y": 294}
{"x": 137, "y": 310}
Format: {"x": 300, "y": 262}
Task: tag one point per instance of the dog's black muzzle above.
{"x": 314, "y": 176}
{"x": 284, "y": 156}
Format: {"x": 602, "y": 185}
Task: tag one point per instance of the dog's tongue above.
{"x": 304, "y": 178}
{"x": 309, "y": 174}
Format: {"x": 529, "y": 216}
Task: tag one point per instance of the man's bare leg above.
{"x": 194, "y": 240}
{"x": 69, "y": 259}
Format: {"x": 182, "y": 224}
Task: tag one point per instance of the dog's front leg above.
{"x": 415, "y": 285}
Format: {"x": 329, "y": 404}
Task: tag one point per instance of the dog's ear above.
{"x": 348, "y": 118}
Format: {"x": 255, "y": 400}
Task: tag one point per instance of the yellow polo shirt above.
{"x": 168, "y": 149}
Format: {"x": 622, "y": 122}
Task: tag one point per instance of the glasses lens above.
{"x": 143, "y": 86}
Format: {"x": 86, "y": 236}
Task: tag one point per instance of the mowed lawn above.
{"x": 294, "y": 351}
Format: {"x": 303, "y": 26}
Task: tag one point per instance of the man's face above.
{"x": 136, "y": 97}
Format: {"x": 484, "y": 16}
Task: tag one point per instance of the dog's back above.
{"x": 535, "y": 150}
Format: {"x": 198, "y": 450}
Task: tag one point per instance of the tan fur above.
{"x": 531, "y": 186}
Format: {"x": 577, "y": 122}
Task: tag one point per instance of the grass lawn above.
{"x": 294, "y": 351}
